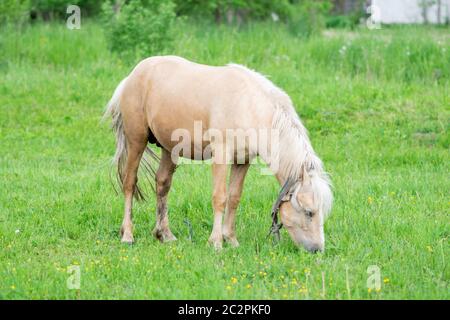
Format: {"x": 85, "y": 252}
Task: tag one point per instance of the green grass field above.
{"x": 376, "y": 104}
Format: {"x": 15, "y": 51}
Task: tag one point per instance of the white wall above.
{"x": 409, "y": 11}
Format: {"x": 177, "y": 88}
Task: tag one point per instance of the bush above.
{"x": 344, "y": 22}
{"x": 14, "y": 11}
{"x": 139, "y": 28}
{"x": 56, "y": 9}
{"x": 232, "y": 10}
{"x": 89, "y": 7}
{"x": 308, "y": 17}
{"x": 48, "y": 9}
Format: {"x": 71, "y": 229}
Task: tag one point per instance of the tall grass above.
{"x": 402, "y": 53}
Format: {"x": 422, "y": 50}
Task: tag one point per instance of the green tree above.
{"x": 56, "y": 9}
{"x": 138, "y": 28}
{"x": 232, "y": 10}
{"x": 14, "y": 11}
{"x": 308, "y": 17}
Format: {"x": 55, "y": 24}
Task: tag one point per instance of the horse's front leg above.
{"x": 237, "y": 176}
{"x": 163, "y": 183}
{"x": 219, "y": 197}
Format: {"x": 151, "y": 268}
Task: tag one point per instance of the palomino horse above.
{"x": 163, "y": 95}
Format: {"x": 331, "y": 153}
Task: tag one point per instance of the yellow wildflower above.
{"x": 370, "y": 200}
{"x": 234, "y": 280}
{"x": 386, "y": 280}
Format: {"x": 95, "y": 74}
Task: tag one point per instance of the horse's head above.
{"x": 304, "y": 209}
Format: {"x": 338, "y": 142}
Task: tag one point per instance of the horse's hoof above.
{"x": 127, "y": 239}
{"x": 232, "y": 241}
{"x": 168, "y": 238}
{"x": 127, "y": 236}
{"x": 164, "y": 236}
{"x": 216, "y": 243}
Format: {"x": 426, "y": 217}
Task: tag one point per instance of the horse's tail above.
{"x": 120, "y": 157}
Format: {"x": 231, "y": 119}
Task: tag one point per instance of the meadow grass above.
{"x": 376, "y": 104}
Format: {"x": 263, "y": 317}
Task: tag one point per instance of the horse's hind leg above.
{"x": 237, "y": 176}
{"x": 135, "y": 149}
{"x": 163, "y": 183}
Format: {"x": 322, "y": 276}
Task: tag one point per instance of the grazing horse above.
{"x": 166, "y": 94}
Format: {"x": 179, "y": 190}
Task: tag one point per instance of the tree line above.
{"x": 220, "y": 11}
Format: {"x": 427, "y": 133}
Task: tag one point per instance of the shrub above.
{"x": 49, "y": 9}
{"x": 308, "y": 17}
{"x": 340, "y": 21}
{"x": 89, "y": 7}
{"x": 139, "y": 28}
{"x": 232, "y": 10}
{"x": 14, "y": 11}
{"x": 56, "y": 9}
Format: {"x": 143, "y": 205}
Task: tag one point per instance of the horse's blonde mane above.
{"x": 295, "y": 150}
{"x": 296, "y": 155}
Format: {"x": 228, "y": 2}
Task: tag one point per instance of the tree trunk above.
{"x": 117, "y": 6}
{"x": 439, "y": 11}
{"x": 218, "y": 15}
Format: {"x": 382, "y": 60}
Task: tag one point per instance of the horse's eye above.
{"x": 309, "y": 213}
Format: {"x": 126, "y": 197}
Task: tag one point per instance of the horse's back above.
{"x": 177, "y": 83}
{"x": 178, "y": 93}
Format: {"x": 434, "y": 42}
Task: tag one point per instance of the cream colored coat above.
{"x": 166, "y": 95}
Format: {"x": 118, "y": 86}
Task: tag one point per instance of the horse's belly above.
{"x": 181, "y": 133}
{"x": 194, "y": 140}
